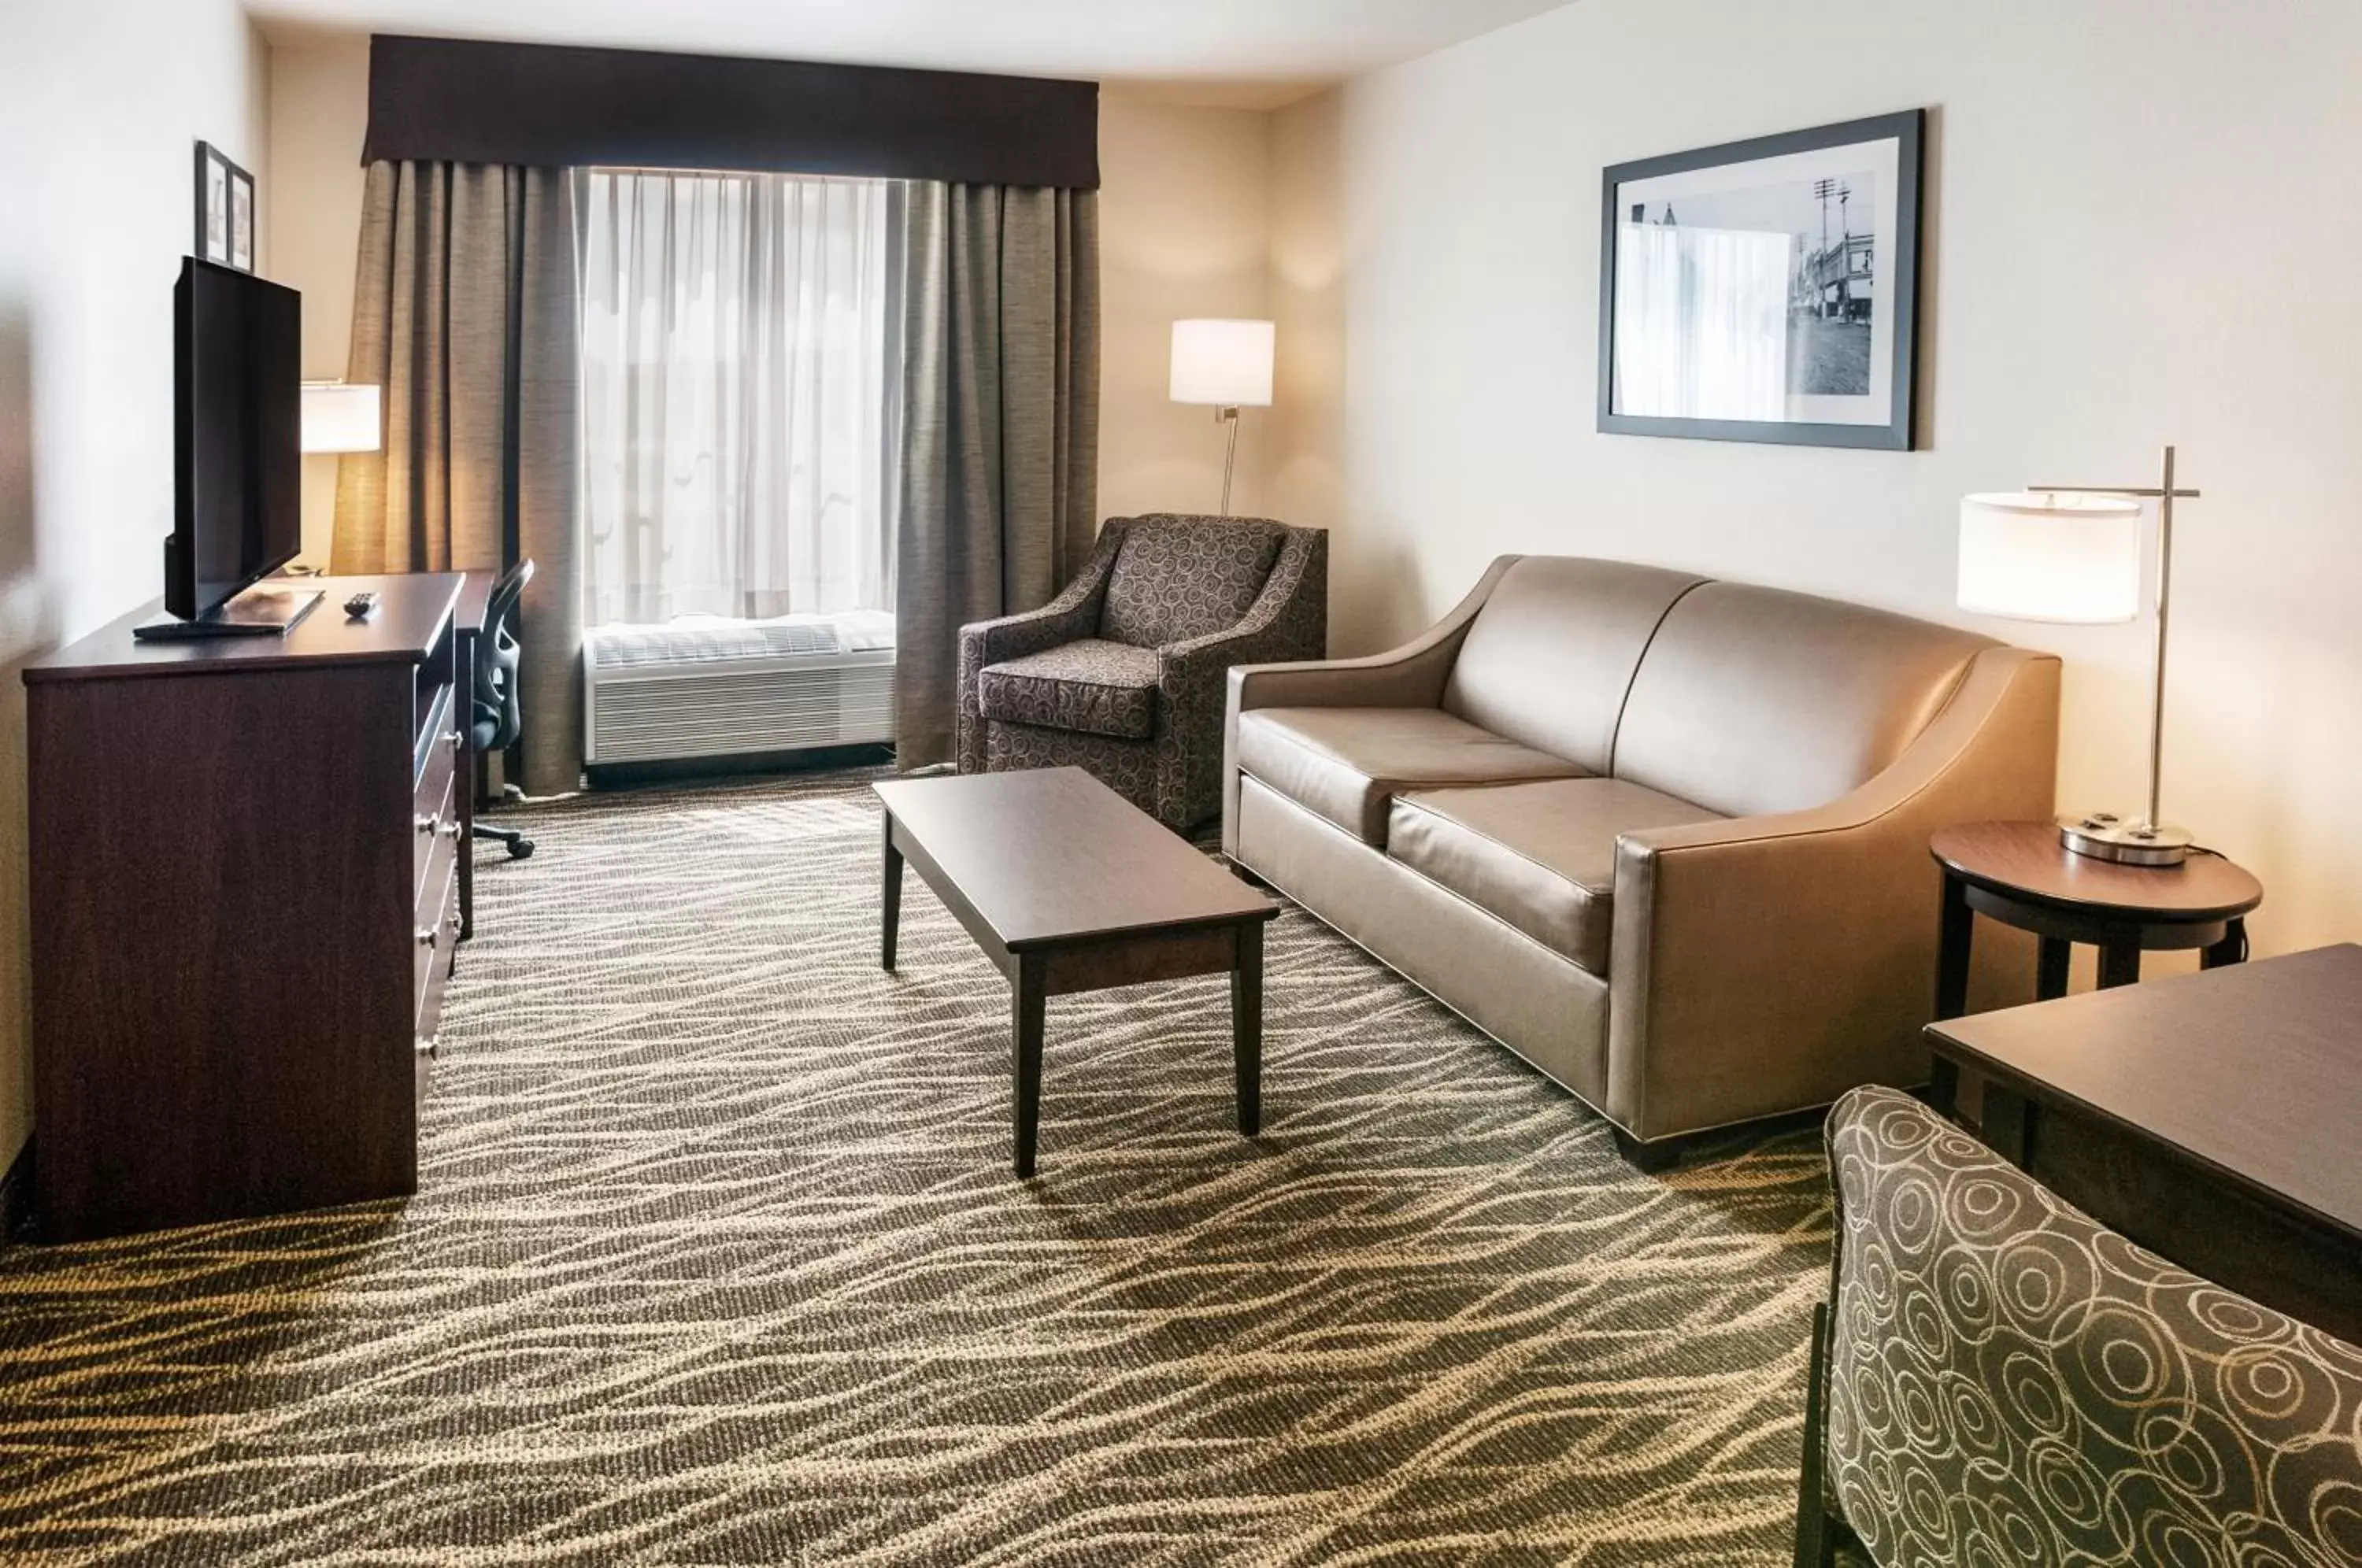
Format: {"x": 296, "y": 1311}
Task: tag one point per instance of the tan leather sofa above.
{"x": 1666, "y": 838}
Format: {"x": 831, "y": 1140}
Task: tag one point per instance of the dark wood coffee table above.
{"x": 1067, "y": 887}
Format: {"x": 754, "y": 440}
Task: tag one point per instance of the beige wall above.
{"x": 1307, "y": 272}
{"x": 1185, "y": 224}
{"x": 319, "y": 113}
{"x": 100, "y": 104}
{"x": 2140, "y": 231}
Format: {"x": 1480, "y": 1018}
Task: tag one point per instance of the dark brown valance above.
{"x": 462, "y": 101}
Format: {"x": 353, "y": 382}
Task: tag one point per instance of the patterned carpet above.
{"x": 718, "y": 1259}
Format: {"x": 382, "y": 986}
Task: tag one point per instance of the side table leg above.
{"x": 890, "y": 896}
{"x": 1026, "y": 998}
{"x": 2232, "y": 949}
{"x": 1954, "y": 938}
{"x": 1246, "y": 1026}
{"x": 2050, "y": 968}
{"x": 2120, "y": 962}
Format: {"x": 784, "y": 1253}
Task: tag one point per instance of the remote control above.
{"x": 360, "y": 605}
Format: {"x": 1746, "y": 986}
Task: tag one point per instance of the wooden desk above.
{"x": 243, "y": 899}
{"x": 2213, "y": 1117}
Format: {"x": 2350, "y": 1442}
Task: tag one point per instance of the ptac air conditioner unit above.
{"x": 701, "y": 687}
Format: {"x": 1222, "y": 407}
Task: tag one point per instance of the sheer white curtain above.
{"x": 739, "y": 379}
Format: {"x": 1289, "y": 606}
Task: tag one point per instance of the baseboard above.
{"x": 16, "y": 1198}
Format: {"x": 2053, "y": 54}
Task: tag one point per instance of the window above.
{"x": 740, "y": 385}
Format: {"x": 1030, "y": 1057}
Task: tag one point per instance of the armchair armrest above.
{"x": 1762, "y": 965}
{"x": 1071, "y": 616}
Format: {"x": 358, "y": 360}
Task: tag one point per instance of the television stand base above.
{"x": 256, "y": 613}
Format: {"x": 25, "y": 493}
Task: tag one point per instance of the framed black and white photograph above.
{"x": 1765, "y": 290}
{"x": 224, "y": 210}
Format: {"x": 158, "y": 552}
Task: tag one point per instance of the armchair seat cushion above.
{"x": 1539, "y": 858}
{"x": 1348, "y": 763}
{"x": 1092, "y": 687}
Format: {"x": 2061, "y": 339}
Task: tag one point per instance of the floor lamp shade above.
{"x": 338, "y": 417}
{"x": 1224, "y": 363}
{"x": 2062, "y": 558}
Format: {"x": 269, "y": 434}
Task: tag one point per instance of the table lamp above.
{"x": 339, "y": 417}
{"x": 1226, "y": 364}
{"x": 2071, "y": 553}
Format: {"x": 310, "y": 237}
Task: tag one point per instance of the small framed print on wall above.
{"x": 1765, "y": 290}
{"x": 224, "y": 210}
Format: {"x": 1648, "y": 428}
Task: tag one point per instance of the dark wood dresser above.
{"x": 245, "y": 899}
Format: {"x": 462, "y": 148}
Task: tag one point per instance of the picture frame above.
{"x": 1766, "y": 290}
{"x": 225, "y": 211}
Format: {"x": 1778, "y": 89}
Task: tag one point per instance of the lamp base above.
{"x": 2105, "y": 836}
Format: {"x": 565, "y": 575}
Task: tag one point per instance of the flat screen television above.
{"x": 238, "y": 438}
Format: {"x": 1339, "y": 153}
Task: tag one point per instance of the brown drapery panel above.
{"x": 1000, "y": 451}
{"x": 464, "y": 305}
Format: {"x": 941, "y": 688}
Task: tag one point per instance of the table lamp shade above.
{"x": 2064, "y": 557}
{"x": 1224, "y": 363}
{"x": 338, "y": 417}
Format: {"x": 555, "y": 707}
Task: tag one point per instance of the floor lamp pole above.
{"x": 1229, "y": 416}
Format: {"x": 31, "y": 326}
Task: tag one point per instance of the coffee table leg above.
{"x": 1246, "y": 1027}
{"x": 890, "y": 898}
{"x": 1026, "y": 999}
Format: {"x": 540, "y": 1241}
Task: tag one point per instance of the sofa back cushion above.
{"x": 1752, "y": 700}
{"x": 1176, "y": 577}
{"x": 1552, "y": 653}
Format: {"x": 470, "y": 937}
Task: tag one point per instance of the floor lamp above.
{"x": 1226, "y": 365}
{"x": 2072, "y": 553}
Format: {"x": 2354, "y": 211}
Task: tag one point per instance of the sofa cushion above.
{"x": 1550, "y": 655}
{"x": 1753, "y": 700}
{"x": 1099, "y": 688}
{"x": 1178, "y": 578}
{"x": 1538, "y": 856}
{"x": 1347, "y": 764}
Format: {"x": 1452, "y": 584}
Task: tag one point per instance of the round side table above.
{"x": 2019, "y": 874}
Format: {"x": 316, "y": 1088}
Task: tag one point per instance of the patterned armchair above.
{"x": 2008, "y": 1381}
{"x": 1123, "y": 673}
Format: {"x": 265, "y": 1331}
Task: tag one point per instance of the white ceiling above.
{"x": 1256, "y": 53}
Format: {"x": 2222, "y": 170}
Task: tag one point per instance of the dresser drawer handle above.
{"x": 431, "y": 1045}
{"x": 425, "y": 936}
{"x": 451, "y": 738}
{"x": 429, "y": 825}
{"x": 449, "y": 830}
{"x": 451, "y": 922}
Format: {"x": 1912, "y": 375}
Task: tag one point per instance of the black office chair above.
{"x": 497, "y": 719}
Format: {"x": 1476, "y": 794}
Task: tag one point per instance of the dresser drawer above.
{"x": 435, "y": 829}
{"x": 436, "y": 744}
{"x": 440, "y": 934}
{"x": 437, "y": 932}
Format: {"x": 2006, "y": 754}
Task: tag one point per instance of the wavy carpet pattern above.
{"x": 718, "y": 1259}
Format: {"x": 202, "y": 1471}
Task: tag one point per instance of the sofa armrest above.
{"x": 1762, "y": 965}
{"x": 1071, "y": 616}
{"x": 1412, "y": 676}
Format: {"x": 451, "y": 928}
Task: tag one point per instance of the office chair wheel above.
{"x": 519, "y": 848}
